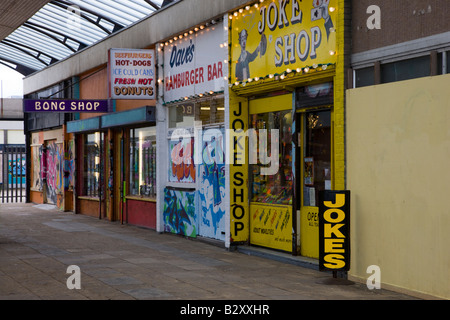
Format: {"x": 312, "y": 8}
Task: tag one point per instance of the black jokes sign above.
{"x": 334, "y": 230}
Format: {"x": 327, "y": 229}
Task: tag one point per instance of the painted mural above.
{"x": 36, "y": 182}
{"x": 179, "y": 212}
{"x": 182, "y": 167}
{"x": 53, "y": 172}
{"x": 211, "y": 189}
{"x": 69, "y": 166}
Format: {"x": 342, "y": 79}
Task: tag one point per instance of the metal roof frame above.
{"x": 47, "y": 36}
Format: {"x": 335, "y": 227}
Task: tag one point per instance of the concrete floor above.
{"x": 123, "y": 262}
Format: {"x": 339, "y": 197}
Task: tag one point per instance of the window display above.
{"x": 143, "y": 162}
{"x": 317, "y": 156}
{"x": 207, "y": 110}
{"x": 276, "y": 188}
{"x": 92, "y": 164}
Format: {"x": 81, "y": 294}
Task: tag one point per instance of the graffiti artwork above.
{"x": 179, "y": 212}
{"x": 53, "y": 173}
{"x": 69, "y": 166}
{"x": 182, "y": 167}
{"x": 212, "y": 189}
{"x": 36, "y": 181}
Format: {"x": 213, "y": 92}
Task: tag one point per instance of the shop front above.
{"x": 50, "y": 150}
{"x": 194, "y": 72}
{"x": 116, "y": 148}
{"x": 116, "y": 166}
{"x": 285, "y": 103}
{"x": 271, "y": 192}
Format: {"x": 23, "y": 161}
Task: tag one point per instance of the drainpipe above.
{"x": 122, "y": 182}
{"x": 100, "y": 169}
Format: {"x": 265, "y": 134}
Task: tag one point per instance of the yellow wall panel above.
{"x": 398, "y": 151}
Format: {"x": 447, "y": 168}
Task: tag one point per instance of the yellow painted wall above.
{"x": 398, "y": 158}
{"x": 338, "y": 134}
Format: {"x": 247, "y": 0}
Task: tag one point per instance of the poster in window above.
{"x": 309, "y": 171}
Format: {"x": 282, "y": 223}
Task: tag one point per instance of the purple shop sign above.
{"x": 56, "y": 105}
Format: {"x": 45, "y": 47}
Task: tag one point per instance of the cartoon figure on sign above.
{"x": 321, "y": 11}
{"x": 243, "y": 64}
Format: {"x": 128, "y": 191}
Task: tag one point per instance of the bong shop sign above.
{"x": 132, "y": 73}
{"x": 59, "y": 105}
{"x": 334, "y": 230}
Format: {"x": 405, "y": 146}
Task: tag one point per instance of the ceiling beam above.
{"x": 154, "y": 5}
{"x": 65, "y": 5}
{"x": 21, "y": 47}
{"x": 48, "y": 32}
{"x": 22, "y": 69}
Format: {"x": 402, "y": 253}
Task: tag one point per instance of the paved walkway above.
{"x": 121, "y": 262}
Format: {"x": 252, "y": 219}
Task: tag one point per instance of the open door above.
{"x": 314, "y": 170}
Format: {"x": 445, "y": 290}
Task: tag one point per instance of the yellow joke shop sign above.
{"x": 274, "y": 37}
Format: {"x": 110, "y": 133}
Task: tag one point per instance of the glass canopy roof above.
{"x": 62, "y": 27}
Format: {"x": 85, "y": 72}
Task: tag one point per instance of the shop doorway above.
{"x": 52, "y": 171}
{"x": 314, "y": 169}
{"x": 270, "y": 172}
{"x": 118, "y": 183}
{"x": 211, "y": 184}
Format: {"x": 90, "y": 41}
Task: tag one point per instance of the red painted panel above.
{"x": 141, "y": 213}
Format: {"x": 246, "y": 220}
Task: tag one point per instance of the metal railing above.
{"x": 12, "y": 173}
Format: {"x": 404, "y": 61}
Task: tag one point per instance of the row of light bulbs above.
{"x": 256, "y": 5}
{"x": 270, "y": 76}
{"x": 283, "y": 75}
{"x": 190, "y": 32}
{"x": 199, "y": 95}
{"x": 215, "y": 21}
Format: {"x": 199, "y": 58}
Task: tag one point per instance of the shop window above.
{"x": 440, "y": 60}
{"x": 143, "y": 162}
{"x": 92, "y": 164}
{"x": 314, "y": 95}
{"x": 448, "y": 61}
{"x": 317, "y": 156}
{"x": 208, "y": 111}
{"x": 406, "y": 69}
{"x": 444, "y": 62}
{"x": 276, "y": 188}
{"x": 364, "y": 77}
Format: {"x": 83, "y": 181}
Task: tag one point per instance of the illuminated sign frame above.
{"x": 273, "y": 37}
